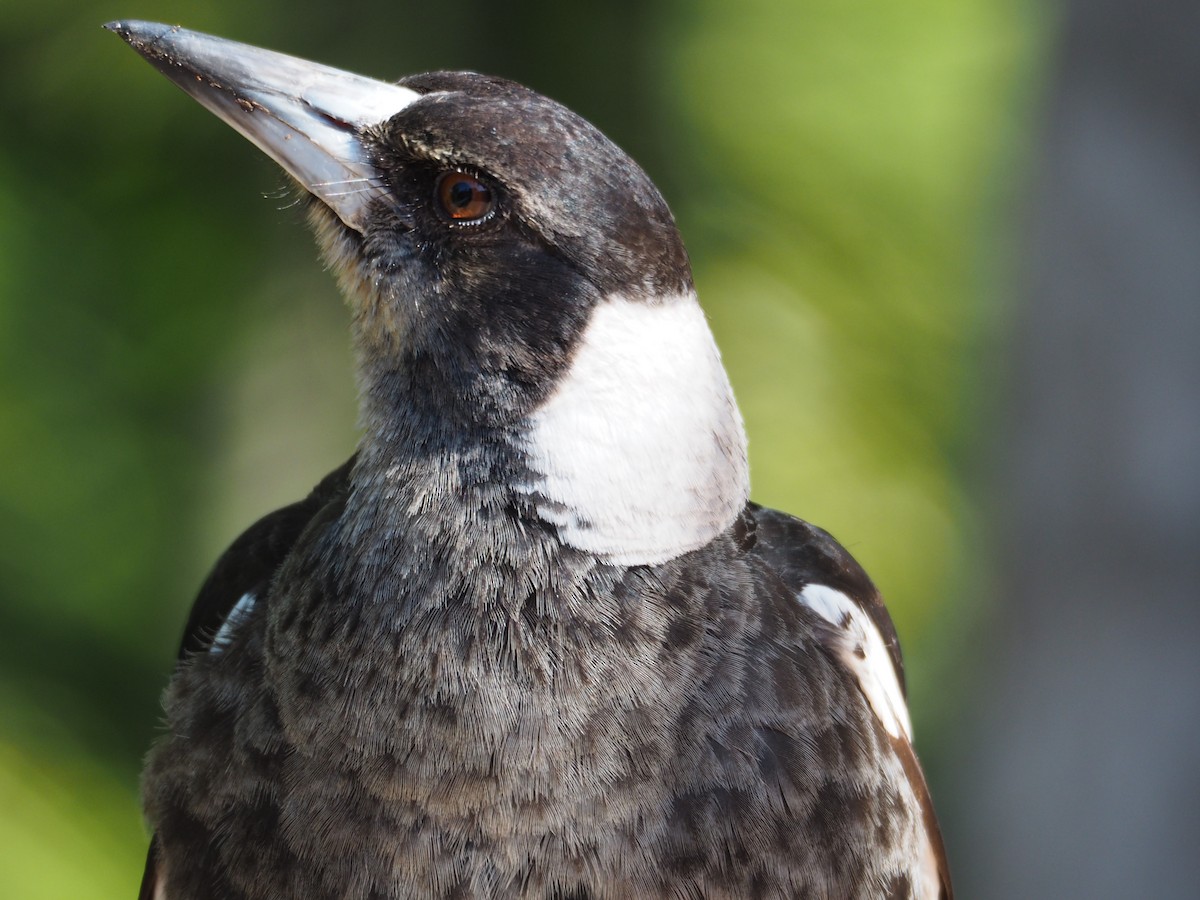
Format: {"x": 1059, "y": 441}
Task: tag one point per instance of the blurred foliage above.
{"x": 173, "y": 363}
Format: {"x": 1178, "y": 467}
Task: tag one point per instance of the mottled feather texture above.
{"x": 631, "y": 732}
{"x": 530, "y": 641}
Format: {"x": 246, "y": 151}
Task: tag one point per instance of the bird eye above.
{"x": 463, "y": 197}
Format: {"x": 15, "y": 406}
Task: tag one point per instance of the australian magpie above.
{"x": 532, "y": 640}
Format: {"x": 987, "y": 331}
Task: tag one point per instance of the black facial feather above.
{"x": 491, "y": 311}
{"x": 573, "y": 186}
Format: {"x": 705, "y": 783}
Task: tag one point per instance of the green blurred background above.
{"x": 174, "y": 363}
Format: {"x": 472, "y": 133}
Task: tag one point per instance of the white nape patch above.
{"x": 640, "y": 450}
{"x": 861, "y": 648}
{"x": 237, "y": 615}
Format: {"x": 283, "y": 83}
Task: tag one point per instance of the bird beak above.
{"x": 307, "y": 117}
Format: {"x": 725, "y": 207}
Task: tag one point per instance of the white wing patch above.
{"x": 861, "y": 648}
{"x": 236, "y": 616}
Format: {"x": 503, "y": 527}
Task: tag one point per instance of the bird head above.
{"x": 509, "y": 271}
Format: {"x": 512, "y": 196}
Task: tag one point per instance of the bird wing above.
{"x": 241, "y": 576}
{"x": 859, "y": 633}
{"x": 804, "y": 555}
{"x": 151, "y": 888}
{"x": 244, "y": 571}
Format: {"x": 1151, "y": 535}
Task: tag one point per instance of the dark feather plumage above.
{"x": 747, "y": 739}
{"x": 479, "y": 659}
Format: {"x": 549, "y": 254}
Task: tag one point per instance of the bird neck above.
{"x": 635, "y": 457}
{"x": 432, "y": 514}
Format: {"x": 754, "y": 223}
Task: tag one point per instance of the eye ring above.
{"x": 463, "y": 198}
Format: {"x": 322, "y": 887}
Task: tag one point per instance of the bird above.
{"x": 533, "y": 639}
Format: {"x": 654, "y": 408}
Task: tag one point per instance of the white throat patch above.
{"x": 640, "y": 450}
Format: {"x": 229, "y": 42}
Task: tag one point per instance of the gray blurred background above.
{"x": 1081, "y": 775}
{"x": 951, "y": 252}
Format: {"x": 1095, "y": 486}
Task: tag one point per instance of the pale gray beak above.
{"x": 306, "y": 116}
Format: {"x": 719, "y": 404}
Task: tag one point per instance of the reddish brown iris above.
{"x": 463, "y": 197}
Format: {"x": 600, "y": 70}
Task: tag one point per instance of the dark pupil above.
{"x": 461, "y": 194}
